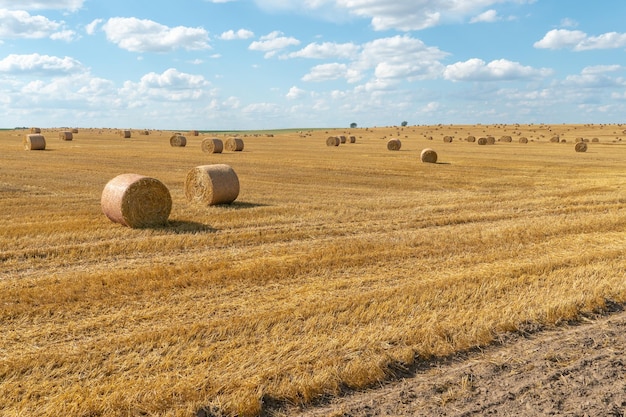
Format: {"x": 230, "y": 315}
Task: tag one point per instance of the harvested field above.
{"x": 333, "y": 272}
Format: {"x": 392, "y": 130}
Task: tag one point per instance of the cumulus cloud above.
{"x": 240, "y": 34}
{"x": 295, "y": 93}
{"x": 90, "y": 28}
{"x": 478, "y": 70}
{"x": 486, "y": 17}
{"x": 580, "y": 41}
{"x": 71, "y": 5}
{"x": 35, "y": 63}
{"x": 171, "y": 85}
{"x": 141, "y": 35}
{"x": 327, "y": 72}
{"x": 272, "y": 43}
{"x": 327, "y": 50}
{"x": 21, "y": 24}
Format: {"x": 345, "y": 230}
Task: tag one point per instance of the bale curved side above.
{"x": 333, "y": 141}
{"x": 482, "y": 141}
{"x": 428, "y": 155}
{"x": 212, "y": 184}
{"x": 523, "y": 139}
{"x": 66, "y": 135}
{"x": 34, "y": 142}
{"x": 212, "y": 145}
{"x": 136, "y": 201}
{"x": 178, "y": 141}
{"x": 234, "y": 144}
{"x": 581, "y": 147}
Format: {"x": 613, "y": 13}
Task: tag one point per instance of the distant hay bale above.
{"x": 342, "y": 139}
{"x": 212, "y": 145}
{"x": 447, "y": 139}
{"x": 581, "y": 147}
{"x": 194, "y": 133}
{"x": 34, "y": 142}
{"x": 394, "y": 144}
{"x": 428, "y": 155}
{"x": 144, "y": 132}
{"x": 491, "y": 140}
{"x": 136, "y": 201}
{"x": 595, "y": 140}
{"x": 506, "y": 139}
{"x": 125, "y": 134}
{"x": 66, "y": 135}
{"x": 523, "y": 139}
{"x": 35, "y": 130}
{"x": 333, "y": 141}
{"x": 212, "y": 184}
{"x": 555, "y": 139}
{"x": 482, "y": 141}
{"x": 234, "y": 144}
{"x": 471, "y": 138}
{"x": 352, "y": 139}
{"x": 579, "y": 139}
{"x": 75, "y": 130}
{"x": 178, "y": 141}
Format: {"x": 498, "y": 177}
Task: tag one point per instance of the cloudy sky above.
{"x": 262, "y": 64}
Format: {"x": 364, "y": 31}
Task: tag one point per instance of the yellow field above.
{"x": 336, "y": 267}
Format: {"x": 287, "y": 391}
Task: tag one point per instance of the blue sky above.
{"x": 267, "y": 64}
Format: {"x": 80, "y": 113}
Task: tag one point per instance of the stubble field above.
{"x": 337, "y": 268}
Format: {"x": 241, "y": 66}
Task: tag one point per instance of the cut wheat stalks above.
{"x": 136, "y": 201}
{"x": 178, "y": 141}
{"x": 212, "y": 145}
{"x": 66, "y": 135}
{"x": 333, "y": 141}
{"x": 234, "y": 144}
{"x": 581, "y": 147}
{"x": 212, "y": 184}
{"x": 428, "y": 155}
{"x": 394, "y": 144}
{"x": 34, "y": 142}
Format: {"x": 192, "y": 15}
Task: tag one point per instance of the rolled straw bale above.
{"x": 136, "y": 201}
{"x": 352, "y": 139}
{"x": 482, "y": 141}
{"x": 581, "y": 147}
{"x": 471, "y": 138}
{"x": 555, "y": 139}
{"x": 234, "y": 144}
{"x": 194, "y": 133}
{"x": 333, "y": 141}
{"x": 595, "y": 140}
{"x": 428, "y": 155}
{"x": 34, "y": 142}
{"x": 75, "y": 130}
{"x": 447, "y": 139}
{"x": 212, "y": 145}
{"x": 523, "y": 139}
{"x": 212, "y": 184}
{"x": 178, "y": 140}
{"x": 35, "y": 130}
{"x": 491, "y": 140}
{"x": 66, "y": 135}
{"x": 125, "y": 134}
{"x": 144, "y": 132}
{"x": 578, "y": 139}
{"x": 506, "y": 138}
{"x": 394, "y": 144}
{"x": 342, "y": 139}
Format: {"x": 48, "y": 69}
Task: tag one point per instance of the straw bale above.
{"x": 394, "y": 144}
{"x": 491, "y": 140}
{"x": 595, "y": 140}
{"x": 506, "y": 139}
{"x": 471, "y": 138}
{"x": 447, "y": 139}
{"x": 555, "y": 139}
{"x": 194, "y": 133}
{"x": 125, "y": 134}
{"x": 482, "y": 141}
{"x": 352, "y": 139}
{"x": 234, "y": 144}
{"x": 178, "y": 141}
{"x": 523, "y": 139}
{"x": 66, "y": 135}
{"x": 212, "y": 184}
{"x": 581, "y": 147}
{"x": 34, "y": 142}
{"x": 342, "y": 139}
{"x": 35, "y": 130}
{"x": 136, "y": 201}
{"x": 75, "y": 130}
{"x": 428, "y": 155}
{"x": 333, "y": 141}
{"x": 212, "y": 145}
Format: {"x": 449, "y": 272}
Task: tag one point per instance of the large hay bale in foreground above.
{"x": 333, "y": 141}
{"x": 212, "y": 145}
{"x": 394, "y": 144}
{"x": 581, "y": 147}
{"x": 234, "y": 144}
{"x": 428, "y": 155}
{"x": 66, "y": 135}
{"x": 136, "y": 201}
{"x": 178, "y": 141}
{"x": 34, "y": 142}
{"x": 212, "y": 184}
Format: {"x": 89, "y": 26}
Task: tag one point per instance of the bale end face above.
{"x": 212, "y": 145}
{"x": 178, "y": 141}
{"x": 428, "y": 155}
{"x": 581, "y": 147}
{"x": 394, "y": 144}
{"x": 333, "y": 141}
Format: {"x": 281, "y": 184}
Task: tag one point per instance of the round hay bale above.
{"x": 491, "y": 140}
{"x": 506, "y": 139}
{"x": 178, "y": 141}
{"x": 394, "y": 144}
{"x": 136, "y": 201}
{"x": 35, "y": 130}
{"x": 212, "y": 184}
{"x": 342, "y": 139}
{"x": 471, "y": 138}
{"x": 523, "y": 139}
{"x": 482, "y": 141}
{"x": 67, "y": 135}
{"x": 333, "y": 141}
{"x": 581, "y": 147}
{"x": 125, "y": 134}
{"x": 194, "y": 133}
{"x": 234, "y": 144}
{"x": 34, "y": 142}
{"x": 212, "y": 145}
{"x": 352, "y": 139}
{"x": 144, "y": 132}
{"x": 595, "y": 140}
{"x": 447, "y": 139}
{"x": 555, "y": 139}
{"x": 75, "y": 130}
{"x": 428, "y": 155}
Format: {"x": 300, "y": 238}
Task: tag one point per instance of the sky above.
{"x": 280, "y": 64}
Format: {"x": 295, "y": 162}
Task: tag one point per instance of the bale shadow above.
{"x": 185, "y": 226}
{"x": 240, "y": 205}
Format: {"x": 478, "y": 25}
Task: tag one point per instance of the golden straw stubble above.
{"x": 136, "y": 201}
{"x": 212, "y": 184}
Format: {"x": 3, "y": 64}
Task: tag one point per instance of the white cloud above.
{"x": 486, "y": 17}
{"x": 327, "y": 72}
{"x": 240, "y": 34}
{"x": 141, "y": 35}
{"x": 35, "y": 63}
{"x": 327, "y": 50}
{"x": 580, "y": 41}
{"x": 71, "y": 5}
{"x": 295, "y": 93}
{"x": 90, "y": 28}
{"x": 272, "y": 43}
{"x": 171, "y": 85}
{"x": 21, "y": 24}
{"x": 477, "y": 70}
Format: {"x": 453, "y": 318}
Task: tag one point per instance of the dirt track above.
{"x": 572, "y": 370}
